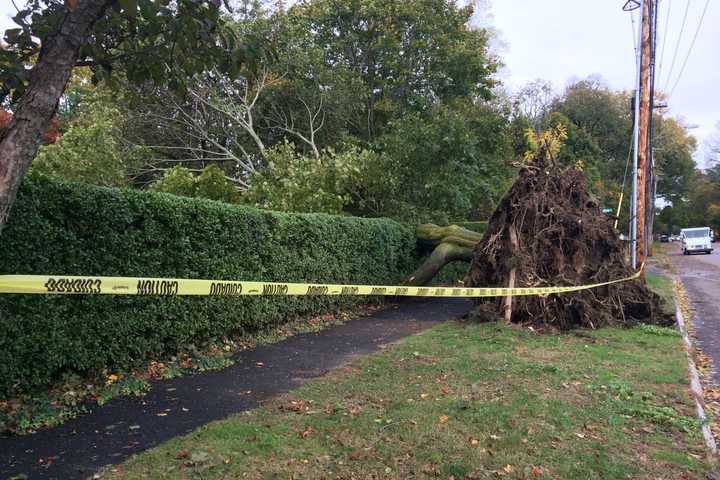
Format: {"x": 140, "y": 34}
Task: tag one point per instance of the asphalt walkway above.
{"x": 129, "y": 425}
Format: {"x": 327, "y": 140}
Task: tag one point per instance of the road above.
{"x": 701, "y": 276}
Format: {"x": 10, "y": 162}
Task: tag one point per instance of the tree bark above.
{"x": 59, "y": 52}
{"x": 434, "y": 235}
{"x": 452, "y": 243}
{"x": 441, "y": 256}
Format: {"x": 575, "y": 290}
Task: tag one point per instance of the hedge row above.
{"x": 59, "y": 228}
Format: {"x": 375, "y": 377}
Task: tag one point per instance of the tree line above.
{"x": 362, "y": 107}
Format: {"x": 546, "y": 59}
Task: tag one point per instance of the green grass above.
{"x": 663, "y": 286}
{"x": 464, "y": 401}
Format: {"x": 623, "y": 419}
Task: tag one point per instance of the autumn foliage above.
{"x": 52, "y": 131}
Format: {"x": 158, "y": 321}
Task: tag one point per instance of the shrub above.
{"x": 294, "y": 182}
{"x": 93, "y": 149}
{"x": 72, "y": 229}
{"x": 211, "y": 183}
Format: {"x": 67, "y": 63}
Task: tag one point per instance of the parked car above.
{"x": 664, "y": 238}
{"x": 696, "y": 240}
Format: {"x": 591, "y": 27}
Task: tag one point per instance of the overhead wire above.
{"x": 692, "y": 44}
{"x": 665, "y": 35}
{"x": 677, "y": 45}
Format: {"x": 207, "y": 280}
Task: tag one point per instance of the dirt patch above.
{"x": 549, "y": 231}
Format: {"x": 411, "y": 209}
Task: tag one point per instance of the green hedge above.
{"x": 60, "y": 228}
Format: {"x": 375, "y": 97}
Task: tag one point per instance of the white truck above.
{"x": 696, "y": 240}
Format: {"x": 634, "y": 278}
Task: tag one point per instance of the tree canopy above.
{"x": 364, "y": 107}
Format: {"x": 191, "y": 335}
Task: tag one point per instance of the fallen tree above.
{"x": 549, "y": 231}
{"x": 451, "y": 244}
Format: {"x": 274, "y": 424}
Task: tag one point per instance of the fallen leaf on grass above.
{"x": 182, "y": 454}
{"x": 536, "y": 472}
{"x": 306, "y": 433}
{"x": 443, "y": 418}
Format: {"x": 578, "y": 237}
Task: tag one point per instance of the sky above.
{"x": 561, "y": 40}
{"x": 558, "y": 40}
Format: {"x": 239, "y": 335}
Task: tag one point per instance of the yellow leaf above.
{"x": 443, "y": 418}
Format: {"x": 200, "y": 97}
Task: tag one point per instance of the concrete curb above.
{"x": 695, "y": 385}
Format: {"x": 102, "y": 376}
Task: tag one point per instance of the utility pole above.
{"x": 651, "y": 180}
{"x": 631, "y": 5}
{"x": 643, "y": 121}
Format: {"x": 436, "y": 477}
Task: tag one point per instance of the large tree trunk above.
{"x": 452, "y": 243}
{"x": 58, "y": 55}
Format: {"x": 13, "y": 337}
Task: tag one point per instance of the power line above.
{"x": 677, "y": 45}
{"x": 692, "y": 44}
{"x": 665, "y": 35}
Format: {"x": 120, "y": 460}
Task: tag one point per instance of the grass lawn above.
{"x": 465, "y": 402}
{"x": 663, "y": 286}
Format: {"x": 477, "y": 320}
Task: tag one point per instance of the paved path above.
{"x": 129, "y": 425}
{"x": 701, "y": 276}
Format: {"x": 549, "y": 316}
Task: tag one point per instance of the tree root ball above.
{"x": 562, "y": 238}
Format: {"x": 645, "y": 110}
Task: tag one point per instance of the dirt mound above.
{"x": 551, "y": 232}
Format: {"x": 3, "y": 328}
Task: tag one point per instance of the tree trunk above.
{"x": 452, "y": 243}
{"x": 434, "y": 235}
{"x": 441, "y": 256}
{"x": 59, "y": 53}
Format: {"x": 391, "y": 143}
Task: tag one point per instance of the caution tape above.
{"x": 75, "y": 285}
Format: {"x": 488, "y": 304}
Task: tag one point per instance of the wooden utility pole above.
{"x": 651, "y": 179}
{"x": 643, "y": 124}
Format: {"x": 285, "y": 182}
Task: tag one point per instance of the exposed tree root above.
{"x": 563, "y": 238}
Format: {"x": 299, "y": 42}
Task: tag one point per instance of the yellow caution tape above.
{"x": 74, "y": 285}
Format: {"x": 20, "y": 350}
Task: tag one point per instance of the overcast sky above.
{"x": 559, "y": 40}
{"x": 562, "y": 39}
